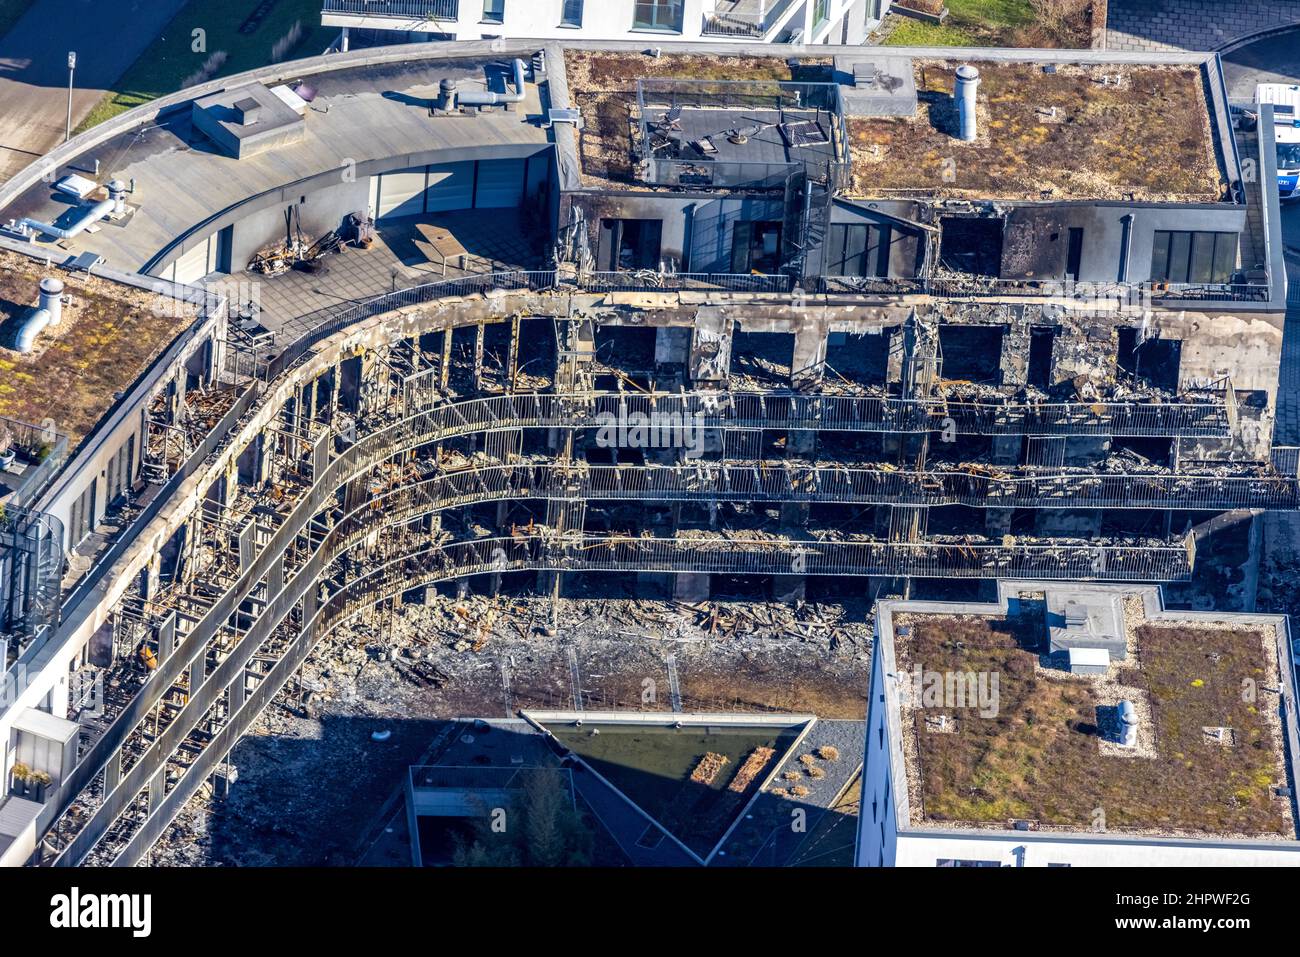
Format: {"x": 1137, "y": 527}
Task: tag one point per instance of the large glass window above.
{"x": 1193, "y": 257}
{"x": 858, "y": 249}
{"x": 494, "y": 11}
{"x": 657, "y": 15}
{"x": 756, "y": 248}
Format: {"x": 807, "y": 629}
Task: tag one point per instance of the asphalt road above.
{"x": 108, "y": 38}
{"x": 1274, "y": 59}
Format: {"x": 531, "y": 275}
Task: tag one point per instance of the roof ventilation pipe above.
{"x": 117, "y": 193}
{"x": 88, "y": 217}
{"x": 30, "y": 328}
{"x": 447, "y": 95}
{"x": 1128, "y": 725}
{"x": 491, "y": 97}
{"x": 52, "y": 298}
{"x": 968, "y": 81}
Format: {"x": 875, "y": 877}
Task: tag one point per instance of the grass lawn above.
{"x": 976, "y": 23}
{"x": 10, "y": 11}
{"x": 170, "y": 59}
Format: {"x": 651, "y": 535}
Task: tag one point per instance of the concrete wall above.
{"x": 696, "y": 232}
{"x": 1035, "y": 239}
{"x": 324, "y": 209}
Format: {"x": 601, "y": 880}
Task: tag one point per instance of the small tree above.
{"x": 543, "y": 829}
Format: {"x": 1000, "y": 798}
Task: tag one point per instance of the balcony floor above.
{"x": 496, "y": 240}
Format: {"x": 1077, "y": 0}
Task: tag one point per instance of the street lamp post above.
{"x": 72, "y": 67}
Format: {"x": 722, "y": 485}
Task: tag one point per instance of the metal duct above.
{"x": 31, "y": 326}
{"x": 968, "y": 81}
{"x": 491, "y": 98}
{"x": 89, "y": 216}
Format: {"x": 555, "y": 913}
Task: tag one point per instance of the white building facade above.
{"x": 654, "y": 21}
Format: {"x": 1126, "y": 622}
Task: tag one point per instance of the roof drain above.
{"x": 491, "y": 97}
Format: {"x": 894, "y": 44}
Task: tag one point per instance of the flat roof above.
{"x": 108, "y": 336}
{"x": 1048, "y": 130}
{"x": 1082, "y": 131}
{"x": 1041, "y": 745}
{"x": 360, "y": 115}
{"x": 603, "y": 85}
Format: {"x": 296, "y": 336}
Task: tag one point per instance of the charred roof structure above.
{"x": 783, "y": 324}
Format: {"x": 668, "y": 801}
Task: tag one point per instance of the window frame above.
{"x": 675, "y": 10}
{"x": 568, "y": 18}
{"x": 1193, "y": 257}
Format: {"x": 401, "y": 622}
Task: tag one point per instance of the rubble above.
{"x": 413, "y": 668}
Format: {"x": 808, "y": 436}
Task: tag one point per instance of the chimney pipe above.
{"x": 1128, "y": 725}
{"x": 968, "y": 81}
{"x": 52, "y": 298}
{"x": 117, "y": 193}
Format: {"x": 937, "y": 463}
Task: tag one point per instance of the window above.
{"x": 957, "y": 862}
{"x": 820, "y": 13}
{"x": 570, "y": 13}
{"x": 657, "y": 15}
{"x": 629, "y": 243}
{"x": 1074, "y": 254}
{"x": 858, "y": 250}
{"x": 494, "y": 11}
{"x": 1288, "y": 157}
{"x": 1193, "y": 257}
{"x": 971, "y": 245}
{"x": 755, "y": 248}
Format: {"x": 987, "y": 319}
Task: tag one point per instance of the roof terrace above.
{"x": 1209, "y": 756}
{"x": 1053, "y": 131}
{"x": 108, "y": 335}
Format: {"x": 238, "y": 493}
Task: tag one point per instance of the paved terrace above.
{"x": 365, "y": 119}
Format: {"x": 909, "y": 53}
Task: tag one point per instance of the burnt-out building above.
{"x": 725, "y": 320}
{"x": 1059, "y": 272}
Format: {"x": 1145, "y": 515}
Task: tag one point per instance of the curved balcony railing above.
{"x": 797, "y": 482}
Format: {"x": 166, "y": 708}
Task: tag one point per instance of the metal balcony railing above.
{"x": 797, "y": 482}
{"x": 744, "y": 18}
{"x": 409, "y": 9}
{"x": 739, "y": 410}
